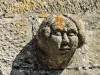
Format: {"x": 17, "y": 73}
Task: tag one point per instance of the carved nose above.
{"x": 65, "y": 39}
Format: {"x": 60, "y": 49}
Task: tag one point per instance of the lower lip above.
{"x": 64, "y": 48}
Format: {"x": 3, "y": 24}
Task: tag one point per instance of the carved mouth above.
{"x": 63, "y": 48}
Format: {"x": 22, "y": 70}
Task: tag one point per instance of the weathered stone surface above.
{"x": 15, "y": 37}
{"x": 15, "y": 34}
{"x": 51, "y": 6}
{"x": 81, "y": 71}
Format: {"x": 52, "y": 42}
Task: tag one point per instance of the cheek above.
{"x": 73, "y": 41}
{"x": 57, "y": 40}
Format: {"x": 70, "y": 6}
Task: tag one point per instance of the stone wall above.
{"x": 20, "y": 19}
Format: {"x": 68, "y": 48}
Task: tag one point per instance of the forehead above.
{"x": 70, "y": 26}
{"x": 64, "y": 24}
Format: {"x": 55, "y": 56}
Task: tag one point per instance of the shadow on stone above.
{"x": 26, "y": 62}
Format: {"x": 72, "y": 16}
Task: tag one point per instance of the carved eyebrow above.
{"x": 58, "y": 30}
{"x": 55, "y": 29}
{"x": 72, "y": 31}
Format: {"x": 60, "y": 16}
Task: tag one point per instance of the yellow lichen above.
{"x": 59, "y": 21}
{"x": 22, "y": 6}
{"x": 25, "y": 6}
{"x": 61, "y": 27}
{"x": 61, "y": 3}
{"x": 43, "y": 3}
{"x": 43, "y": 14}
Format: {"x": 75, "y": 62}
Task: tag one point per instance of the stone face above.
{"x": 58, "y": 39}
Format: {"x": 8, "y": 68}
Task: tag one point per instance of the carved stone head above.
{"x": 58, "y": 38}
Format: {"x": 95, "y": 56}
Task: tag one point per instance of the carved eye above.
{"x": 46, "y": 31}
{"x": 58, "y": 33}
{"x": 71, "y": 34}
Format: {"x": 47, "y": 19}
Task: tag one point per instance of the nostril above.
{"x": 64, "y": 42}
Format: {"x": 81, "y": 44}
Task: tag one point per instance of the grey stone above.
{"x": 13, "y": 39}
{"x": 58, "y": 49}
